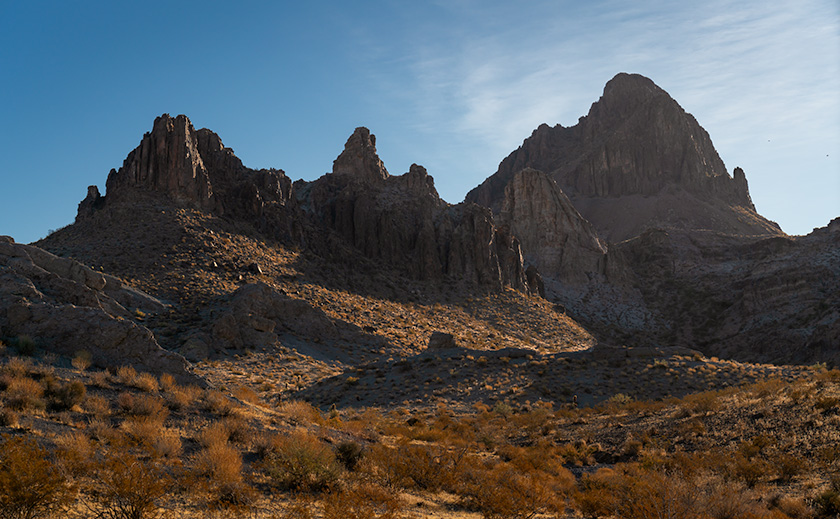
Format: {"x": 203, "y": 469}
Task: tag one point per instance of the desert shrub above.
{"x": 31, "y": 485}
{"x": 301, "y": 462}
{"x": 143, "y": 405}
{"x": 100, "y": 379}
{"x": 8, "y": 417}
{"x": 167, "y": 382}
{"x": 82, "y": 360}
{"x": 827, "y": 504}
{"x": 97, "y": 405}
{"x": 363, "y": 501}
{"x": 180, "y": 398}
{"x": 788, "y": 466}
{"x": 125, "y": 375}
{"x": 238, "y": 430}
{"x": 213, "y": 434}
{"x": 146, "y": 382}
{"x": 792, "y": 507}
{"x": 217, "y": 403}
{"x": 595, "y": 497}
{"x": 24, "y": 393}
{"x": 655, "y": 494}
{"x": 246, "y": 394}
{"x": 502, "y": 492}
{"x": 749, "y": 470}
{"x": 413, "y": 465}
{"x": 25, "y": 345}
{"x": 220, "y": 465}
{"x": 76, "y": 451}
{"x": 300, "y": 412}
{"x": 125, "y": 486}
{"x": 348, "y": 453}
{"x": 220, "y": 462}
{"x": 150, "y": 433}
{"x": 65, "y": 396}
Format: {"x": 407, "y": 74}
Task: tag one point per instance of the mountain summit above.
{"x": 636, "y": 161}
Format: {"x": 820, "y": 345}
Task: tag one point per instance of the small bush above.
{"x": 301, "y": 462}
{"x": 349, "y": 453}
{"x": 146, "y": 382}
{"x": 216, "y": 402}
{"x": 82, "y": 360}
{"x": 363, "y": 501}
{"x": 300, "y": 412}
{"x": 127, "y": 487}
{"x": 23, "y": 394}
{"x": 25, "y": 345}
{"x": 126, "y": 375}
{"x": 8, "y": 417}
{"x": 503, "y": 492}
{"x": 30, "y": 484}
{"x": 66, "y": 396}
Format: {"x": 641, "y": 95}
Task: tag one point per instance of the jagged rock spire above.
{"x": 359, "y": 157}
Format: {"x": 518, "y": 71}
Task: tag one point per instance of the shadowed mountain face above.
{"x": 636, "y": 161}
{"x": 397, "y": 220}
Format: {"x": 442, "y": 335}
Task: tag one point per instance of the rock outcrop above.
{"x": 67, "y": 307}
{"x": 401, "y": 221}
{"x": 636, "y": 161}
{"x": 194, "y": 169}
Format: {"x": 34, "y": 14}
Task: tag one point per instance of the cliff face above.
{"x": 767, "y": 299}
{"x": 555, "y": 237}
{"x": 401, "y": 220}
{"x": 636, "y": 161}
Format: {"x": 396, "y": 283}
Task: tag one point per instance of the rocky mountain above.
{"x": 636, "y": 161}
{"x": 627, "y": 223}
{"x": 398, "y": 220}
{"x": 401, "y": 220}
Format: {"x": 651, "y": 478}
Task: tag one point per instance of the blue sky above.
{"x": 454, "y": 86}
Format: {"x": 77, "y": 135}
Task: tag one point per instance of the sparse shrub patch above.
{"x": 31, "y": 485}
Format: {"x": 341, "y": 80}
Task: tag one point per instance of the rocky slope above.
{"x": 636, "y": 161}
{"x": 69, "y": 308}
{"x": 771, "y": 299}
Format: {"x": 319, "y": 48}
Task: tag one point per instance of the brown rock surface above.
{"x": 194, "y": 169}
{"x": 67, "y": 307}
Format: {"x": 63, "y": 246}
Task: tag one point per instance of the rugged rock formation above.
{"x": 402, "y": 221}
{"x": 68, "y": 307}
{"x": 194, "y": 169}
{"x": 399, "y": 220}
{"x": 636, "y": 161}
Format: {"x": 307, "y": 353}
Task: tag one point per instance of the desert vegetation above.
{"x": 82, "y": 442}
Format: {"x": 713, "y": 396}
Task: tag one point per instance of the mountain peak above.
{"x": 636, "y": 153}
{"x": 359, "y": 157}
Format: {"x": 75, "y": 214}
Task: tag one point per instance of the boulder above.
{"x": 441, "y": 341}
